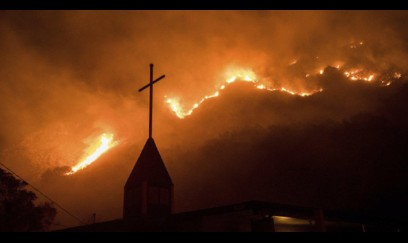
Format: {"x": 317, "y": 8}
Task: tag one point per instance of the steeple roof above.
{"x": 149, "y": 167}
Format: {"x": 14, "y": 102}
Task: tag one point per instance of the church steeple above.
{"x": 149, "y": 188}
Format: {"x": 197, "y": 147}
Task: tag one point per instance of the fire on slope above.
{"x": 247, "y": 75}
{"x": 101, "y": 144}
{"x": 232, "y": 75}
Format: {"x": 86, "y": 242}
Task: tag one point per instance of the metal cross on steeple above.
{"x": 150, "y": 84}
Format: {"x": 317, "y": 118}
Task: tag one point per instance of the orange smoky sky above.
{"x": 69, "y": 76}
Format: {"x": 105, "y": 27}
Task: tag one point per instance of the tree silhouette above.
{"x": 18, "y": 212}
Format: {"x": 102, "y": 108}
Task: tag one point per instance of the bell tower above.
{"x": 149, "y": 188}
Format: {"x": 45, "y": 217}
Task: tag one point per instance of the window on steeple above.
{"x": 158, "y": 195}
{"x": 153, "y": 195}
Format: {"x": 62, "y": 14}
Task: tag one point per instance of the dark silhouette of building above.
{"x": 149, "y": 188}
{"x": 148, "y": 206}
{"x": 251, "y": 216}
{"x": 148, "y": 203}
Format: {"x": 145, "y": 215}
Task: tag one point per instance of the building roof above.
{"x": 149, "y": 167}
{"x": 192, "y": 220}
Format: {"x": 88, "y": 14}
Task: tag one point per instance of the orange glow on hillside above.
{"x": 102, "y": 144}
{"x": 247, "y": 75}
{"x": 359, "y": 74}
{"x": 231, "y": 75}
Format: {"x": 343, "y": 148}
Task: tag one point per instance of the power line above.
{"x": 43, "y": 194}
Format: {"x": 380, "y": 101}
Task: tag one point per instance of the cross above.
{"x": 150, "y": 85}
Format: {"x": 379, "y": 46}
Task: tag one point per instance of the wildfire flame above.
{"x": 102, "y": 144}
{"x": 231, "y": 75}
{"x": 247, "y": 75}
{"x": 358, "y": 74}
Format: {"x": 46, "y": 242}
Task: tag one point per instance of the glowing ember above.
{"x": 359, "y": 74}
{"x": 261, "y": 86}
{"x": 353, "y": 46}
{"x": 100, "y": 146}
{"x": 293, "y": 62}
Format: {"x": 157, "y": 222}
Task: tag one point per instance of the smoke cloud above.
{"x": 68, "y": 76}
